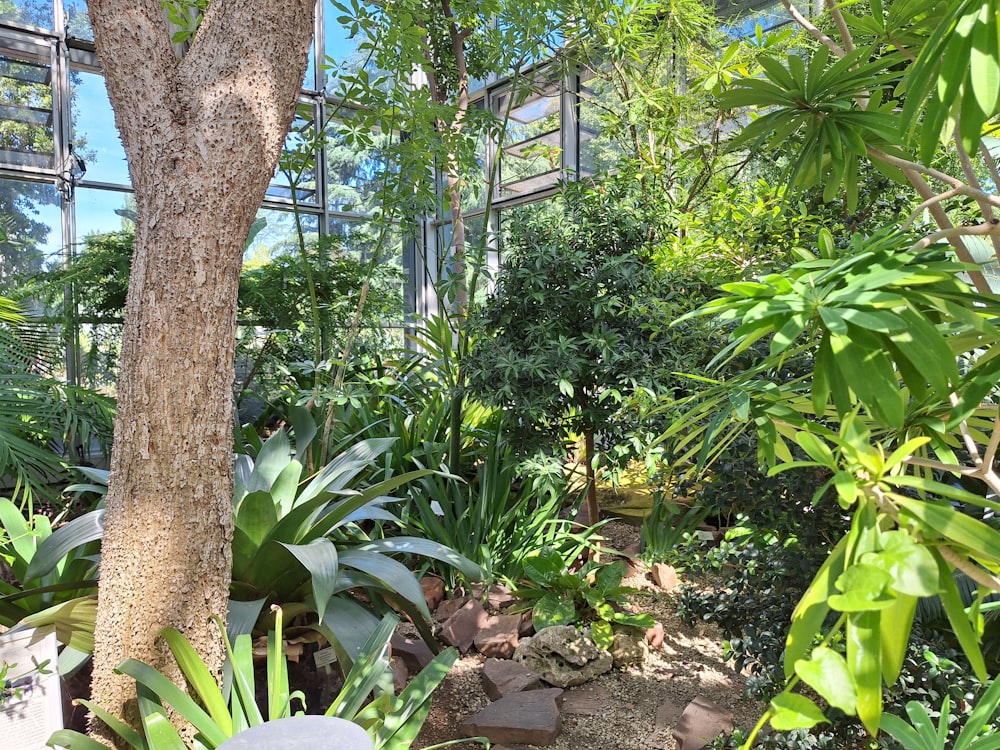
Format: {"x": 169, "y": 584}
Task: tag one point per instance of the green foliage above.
{"x": 668, "y": 528}
{"x": 54, "y": 576}
{"x": 305, "y": 540}
{"x": 100, "y": 272}
{"x": 40, "y": 417}
{"x": 593, "y": 595}
{"x": 277, "y": 294}
{"x": 216, "y": 715}
{"x": 921, "y": 734}
{"x": 499, "y": 517}
{"x": 571, "y": 330}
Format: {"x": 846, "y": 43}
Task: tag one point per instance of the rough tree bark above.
{"x": 202, "y": 135}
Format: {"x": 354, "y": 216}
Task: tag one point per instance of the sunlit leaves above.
{"x": 812, "y": 102}
{"x": 956, "y": 79}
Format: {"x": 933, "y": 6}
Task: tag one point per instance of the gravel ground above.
{"x": 688, "y": 665}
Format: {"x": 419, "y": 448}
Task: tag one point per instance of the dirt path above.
{"x": 622, "y": 710}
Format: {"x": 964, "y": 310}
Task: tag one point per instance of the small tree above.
{"x": 571, "y": 329}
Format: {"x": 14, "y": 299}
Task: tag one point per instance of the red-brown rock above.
{"x": 433, "y": 591}
{"x": 664, "y": 576}
{"x": 503, "y": 677}
{"x": 655, "y": 635}
{"x": 499, "y": 637}
{"x": 414, "y": 653}
{"x": 701, "y": 722}
{"x": 499, "y": 597}
{"x": 461, "y": 628}
{"x": 530, "y": 718}
{"x": 449, "y": 607}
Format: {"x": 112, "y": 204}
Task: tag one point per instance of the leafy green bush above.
{"x": 498, "y": 518}
{"x": 592, "y": 595}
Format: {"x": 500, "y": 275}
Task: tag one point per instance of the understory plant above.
{"x": 307, "y": 542}
{"x": 592, "y": 596}
{"x": 498, "y": 517}
{"x": 896, "y": 327}
{"x": 367, "y": 696}
{"x": 54, "y": 577}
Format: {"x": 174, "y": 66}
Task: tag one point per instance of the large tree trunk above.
{"x": 202, "y": 135}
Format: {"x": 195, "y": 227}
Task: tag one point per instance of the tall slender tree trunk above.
{"x": 202, "y": 134}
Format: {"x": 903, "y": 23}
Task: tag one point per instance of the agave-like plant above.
{"x": 312, "y": 543}
{"x": 217, "y": 714}
{"x": 55, "y": 577}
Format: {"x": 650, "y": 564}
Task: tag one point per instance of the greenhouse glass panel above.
{"x": 26, "y": 132}
{"x": 78, "y": 20}
{"x": 100, "y": 211}
{"x": 600, "y": 120}
{"x": 95, "y": 136}
{"x": 276, "y": 233}
{"x": 28, "y": 12}
{"x": 340, "y": 50}
{"x": 531, "y": 155}
{"x": 30, "y": 234}
{"x": 354, "y": 173}
{"x": 297, "y": 165}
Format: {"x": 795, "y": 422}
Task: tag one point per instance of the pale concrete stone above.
{"x": 629, "y": 648}
{"x": 701, "y": 722}
{"x": 503, "y": 677}
{"x": 530, "y": 718}
{"x": 563, "y": 656}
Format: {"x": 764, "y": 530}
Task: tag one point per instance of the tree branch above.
{"x": 806, "y": 24}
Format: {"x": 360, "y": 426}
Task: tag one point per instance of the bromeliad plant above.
{"x": 217, "y": 714}
{"x": 592, "y": 596}
{"x": 306, "y": 543}
{"x": 56, "y": 575}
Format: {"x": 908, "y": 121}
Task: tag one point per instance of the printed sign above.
{"x": 30, "y": 702}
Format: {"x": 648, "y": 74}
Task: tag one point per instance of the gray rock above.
{"x": 563, "y": 656}
{"x": 503, "y": 677}
{"x": 530, "y": 718}
{"x": 629, "y": 648}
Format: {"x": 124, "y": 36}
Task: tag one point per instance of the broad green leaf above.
{"x": 896, "y": 623}
{"x": 321, "y": 560}
{"x": 123, "y": 730}
{"x": 390, "y": 573}
{"x": 256, "y": 516}
{"x": 954, "y": 608}
{"x": 864, "y": 588}
{"x": 199, "y": 678}
{"x": 553, "y": 609}
{"x": 812, "y": 608}
{"x": 792, "y": 711}
{"x": 270, "y": 462}
{"x": 411, "y": 545}
{"x": 164, "y": 691}
{"x": 864, "y": 655}
{"x": 910, "y": 565}
{"x": 53, "y": 549}
{"x": 159, "y": 731}
{"x": 954, "y": 526}
{"x": 826, "y": 672}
